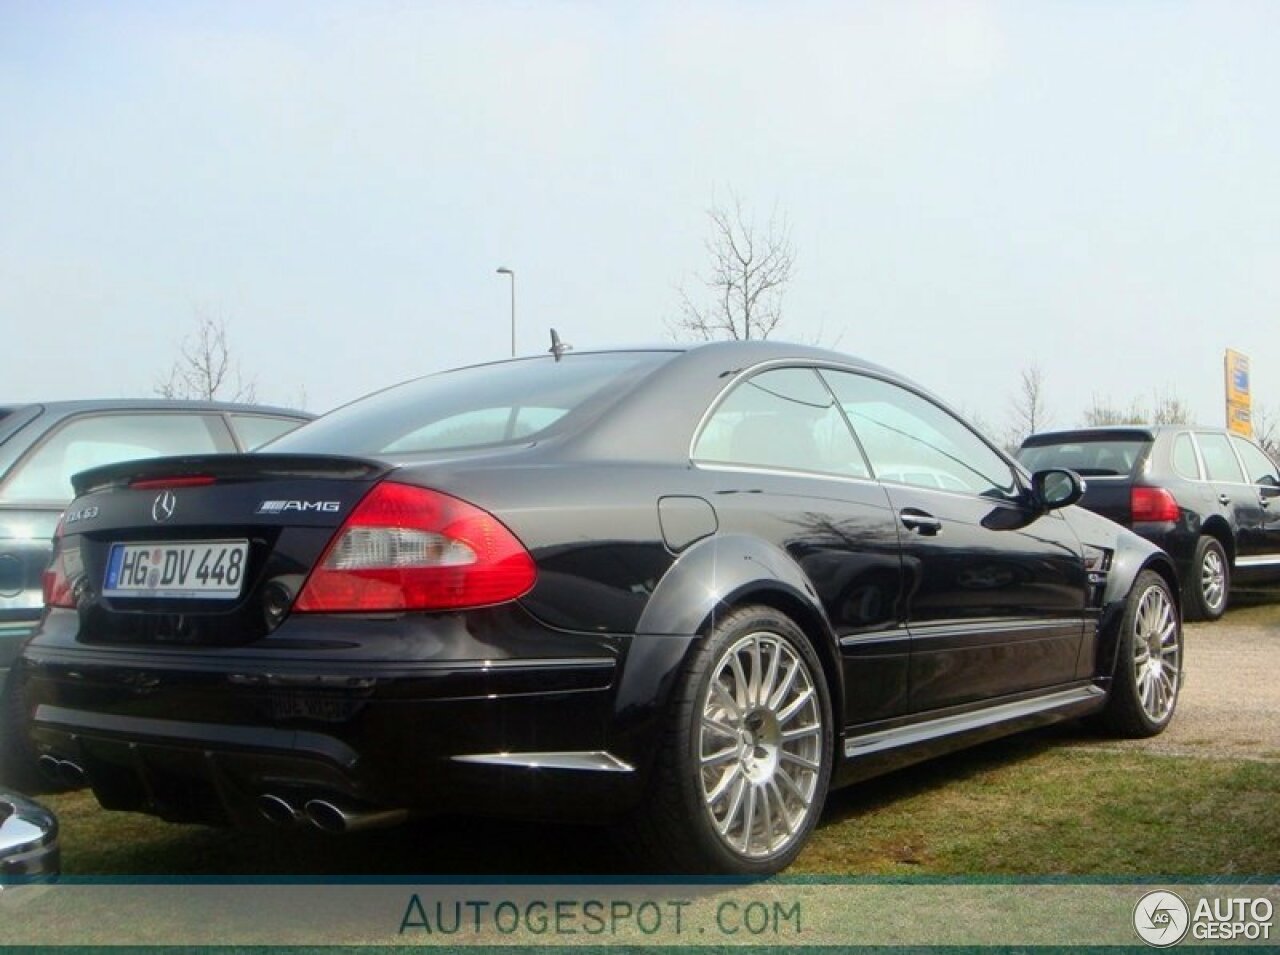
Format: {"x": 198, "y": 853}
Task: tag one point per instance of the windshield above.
{"x": 1088, "y": 457}
{"x": 515, "y": 402}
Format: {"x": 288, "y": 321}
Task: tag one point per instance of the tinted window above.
{"x": 781, "y": 419}
{"x": 255, "y": 430}
{"x": 487, "y": 405}
{"x": 910, "y": 440}
{"x": 1260, "y": 468}
{"x": 1184, "y": 457}
{"x": 1219, "y": 461}
{"x": 1100, "y": 457}
{"x": 83, "y": 443}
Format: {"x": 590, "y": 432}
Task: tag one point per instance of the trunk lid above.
{"x": 204, "y": 550}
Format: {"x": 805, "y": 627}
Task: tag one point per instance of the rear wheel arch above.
{"x": 1217, "y": 528}
{"x": 812, "y": 624}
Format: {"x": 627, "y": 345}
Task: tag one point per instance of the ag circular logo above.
{"x": 1161, "y": 919}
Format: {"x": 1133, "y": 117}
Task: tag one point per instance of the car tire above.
{"x": 746, "y": 755}
{"x": 18, "y": 767}
{"x": 1148, "y": 672}
{"x": 1209, "y": 582}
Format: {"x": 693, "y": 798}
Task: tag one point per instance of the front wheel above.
{"x": 746, "y": 760}
{"x": 1148, "y": 674}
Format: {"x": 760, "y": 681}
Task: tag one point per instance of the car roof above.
{"x": 75, "y": 406}
{"x": 1118, "y": 431}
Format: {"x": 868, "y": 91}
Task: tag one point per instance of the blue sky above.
{"x": 972, "y": 188}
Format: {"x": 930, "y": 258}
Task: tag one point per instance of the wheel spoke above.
{"x": 749, "y": 818}
{"x": 794, "y": 706}
{"x": 754, "y": 687}
{"x": 770, "y": 678}
{"x": 722, "y": 787}
{"x": 783, "y": 816}
{"x": 783, "y": 690}
{"x": 767, "y": 813}
{"x": 724, "y": 729}
{"x": 735, "y": 804}
{"x": 740, "y": 693}
{"x": 785, "y": 778}
{"x": 799, "y": 760}
{"x": 720, "y": 758}
{"x": 730, "y": 704}
{"x": 802, "y": 733}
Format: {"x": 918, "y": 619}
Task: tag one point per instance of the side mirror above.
{"x": 1056, "y": 487}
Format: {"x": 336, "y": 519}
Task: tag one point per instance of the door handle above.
{"x": 1223, "y": 499}
{"x": 920, "y": 522}
{"x": 1264, "y": 502}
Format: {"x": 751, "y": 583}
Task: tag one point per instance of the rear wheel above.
{"x": 746, "y": 760}
{"x": 1210, "y": 580}
{"x": 1148, "y": 675}
{"x": 18, "y": 768}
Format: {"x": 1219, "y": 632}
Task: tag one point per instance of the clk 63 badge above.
{"x": 282, "y": 507}
{"x": 82, "y": 514}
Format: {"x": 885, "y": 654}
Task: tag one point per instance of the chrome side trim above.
{"x": 964, "y": 722}
{"x": 1265, "y": 560}
{"x": 597, "y": 761}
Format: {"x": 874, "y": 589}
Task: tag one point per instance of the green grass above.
{"x": 1030, "y": 805}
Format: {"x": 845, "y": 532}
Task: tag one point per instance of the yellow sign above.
{"x": 1239, "y": 417}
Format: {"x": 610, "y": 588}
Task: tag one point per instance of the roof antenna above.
{"x": 558, "y": 348}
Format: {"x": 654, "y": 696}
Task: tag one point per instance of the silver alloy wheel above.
{"x": 760, "y": 745}
{"x": 1213, "y": 579}
{"x": 1157, "y": 653}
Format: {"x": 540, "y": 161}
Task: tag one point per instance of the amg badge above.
{"x": 280, "y": 507}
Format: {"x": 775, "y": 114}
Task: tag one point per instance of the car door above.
{"x": 1234, "y": 497}
{"x": 780, "y": 465}
{"x": 995, "y": 588}
{"x": 1258, "y": 546}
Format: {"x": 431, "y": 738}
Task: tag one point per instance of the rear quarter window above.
{"x": 1185, "y": 463}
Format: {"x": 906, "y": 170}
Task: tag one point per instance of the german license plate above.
{"x": 212, "y": 570}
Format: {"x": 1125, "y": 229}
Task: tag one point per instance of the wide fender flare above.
{"x": 726, "y": 571}
{"x": 1130, "y": 558}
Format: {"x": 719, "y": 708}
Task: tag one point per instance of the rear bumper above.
{"x": 491, "y": 713}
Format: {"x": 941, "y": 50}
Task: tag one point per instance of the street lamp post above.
{"x": 506, "y": 271}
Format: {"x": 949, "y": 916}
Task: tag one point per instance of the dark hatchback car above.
{"x": 41, "y": 446}
{"x": 664, "y": 589}
{"x": 1209, "y": 498}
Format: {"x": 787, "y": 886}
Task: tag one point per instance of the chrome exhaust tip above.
{"x": 49, "y": 766}
{"x": 71, "y": 774}
{"x": 329, "y": 817}
{"x": 277, "y": 810}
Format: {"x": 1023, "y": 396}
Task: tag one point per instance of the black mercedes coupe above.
{"x": 682, "y": 591}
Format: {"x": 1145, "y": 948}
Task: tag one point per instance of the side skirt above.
{"x": 882, "y": 751}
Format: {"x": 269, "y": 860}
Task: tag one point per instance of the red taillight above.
{"x": 408, "y": 548}
{"x": 164, "y": 483}
{"x": 58, "y": 580}
{"x": 1153, "y": 504}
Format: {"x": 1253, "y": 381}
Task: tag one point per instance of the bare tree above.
{"x": 1028, "y": 412}
{"x": 1168, "y": 408}
{"x": 1266, "y": 431}
{"x": 205, "y": 369}
{"x": 750, "y": 269}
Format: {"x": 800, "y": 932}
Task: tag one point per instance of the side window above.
{"x": 1219, "y": 460}
{"x": 255, "y": 430}
{"x": 781, "y": 419}
{"x": 910, "y": 440}
{"x": 89, "y": 442}
{"x": 1260, "y": 468}
{"x": 1184, "y": 457}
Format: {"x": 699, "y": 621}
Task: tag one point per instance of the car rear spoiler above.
{"x": 229, "y": 467}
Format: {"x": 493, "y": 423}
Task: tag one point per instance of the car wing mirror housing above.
{"x": 1056, "y": 487}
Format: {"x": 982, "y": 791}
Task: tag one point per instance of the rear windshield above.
{"x": 1100, "y": 457}
{"x": 484, "y": 406}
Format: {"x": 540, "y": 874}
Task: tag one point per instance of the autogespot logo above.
{"x": 1161, "y": 919}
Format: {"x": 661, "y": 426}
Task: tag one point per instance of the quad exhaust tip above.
{"x": 331, "y": 817}
{"x": 63, "y": 771}
{"x": 278, "y": 811}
